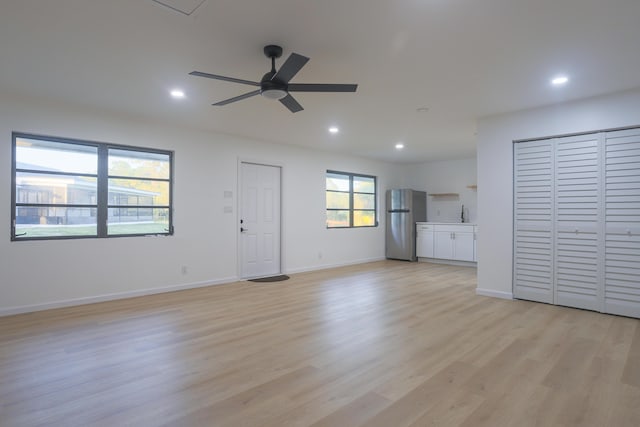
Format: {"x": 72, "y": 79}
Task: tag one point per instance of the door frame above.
{"x": 240, "y": 255}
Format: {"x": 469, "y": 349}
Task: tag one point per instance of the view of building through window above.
{"x": 139, "y": 189}
{"x": 60, "y": 192}
{"x": 351, "y": 200}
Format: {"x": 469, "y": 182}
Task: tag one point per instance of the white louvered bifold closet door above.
{"x": 622, "y": 248}
{"x": 533, "y": 236}
{"x": 577, "y": 222}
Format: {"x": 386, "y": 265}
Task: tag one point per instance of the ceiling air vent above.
{"x": 186, "y": 7}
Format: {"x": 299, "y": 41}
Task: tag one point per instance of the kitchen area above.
{"x": 432, "y": 227}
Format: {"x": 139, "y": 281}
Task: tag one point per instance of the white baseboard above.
{"x": 327, "y": 266}
{"x": 494, "y": 294}
{"x": 138, "y": 293}
{"x": 111, "y": 297}
{"x": 122, "y": 295}
{"x": 449, "y": 262}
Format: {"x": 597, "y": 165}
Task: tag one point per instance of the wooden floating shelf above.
{"x": 473, "y": 187}
{"x": 444, "y": 194}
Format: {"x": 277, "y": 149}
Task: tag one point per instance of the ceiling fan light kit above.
{"x": 275, "y": 84}
{"x": 273, "y": 93}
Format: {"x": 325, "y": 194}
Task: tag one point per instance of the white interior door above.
{"x": 259, "y": 220}
{"x": 622, "y": 246}
{"x": 533, "y": 221}
{"x": 577, "y": 230}
{"x": 578, "y": 222}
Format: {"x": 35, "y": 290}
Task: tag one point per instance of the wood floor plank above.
{"x": 631, "y": 374}
{"x": 505, "y": 397}
{"x": 450, "y": 410}
{"x": 570, "y": 371}
{"x": 410, "y": 407}
{"x": 626, "y": 411}
{"x": 356, "y": 412}
{"x": 507, "y": 362}
{"x": 387, "y": 343}
{"x": 247, "y": 407}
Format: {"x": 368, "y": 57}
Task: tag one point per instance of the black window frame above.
{"x": 102, "y": 176}
{"x": 351, "y": 193}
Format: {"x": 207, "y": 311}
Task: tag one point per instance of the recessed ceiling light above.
{"x": 399, "y": 146}
{"x": 177, "y": 93}
{"x": 334, "y": 129}
{"x": 559, "y": 80}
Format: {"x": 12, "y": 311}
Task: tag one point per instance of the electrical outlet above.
{"x": 319, "y": 254}
{"x": 184, "y": 269}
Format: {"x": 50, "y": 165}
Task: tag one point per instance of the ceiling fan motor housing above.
{"x": 272, "y": 89}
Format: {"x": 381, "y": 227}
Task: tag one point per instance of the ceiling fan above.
{"x": 275, "y": 84}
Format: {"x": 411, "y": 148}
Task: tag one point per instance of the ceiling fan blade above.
{"x": 313, "y": 87}
{"x": 290, "y": 68}
{"x": 227, "y": 79}
{"x": 238, "y": 98}
{"x": 290, "y": 102}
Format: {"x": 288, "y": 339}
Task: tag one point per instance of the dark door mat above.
{"x": 279, "y": 278}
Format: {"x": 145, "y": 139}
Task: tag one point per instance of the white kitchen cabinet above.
{"x": 463, "y": 245}
{"x": 424, "y": 240}
{"x": 454, "y": 242}
{"x": 444, "y": 244}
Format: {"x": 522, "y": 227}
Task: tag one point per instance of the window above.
{"x": 351, "y": 200}
{"x": 139, "y": 191}
{"x": 71, "y": 189}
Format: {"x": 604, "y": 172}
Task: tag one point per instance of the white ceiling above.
{"x": 463, "y": 59}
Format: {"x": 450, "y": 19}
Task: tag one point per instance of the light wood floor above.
{"x": 387, "y": 344}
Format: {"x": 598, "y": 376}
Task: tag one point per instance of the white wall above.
{"x": 453, "y": 176}
{"x": 495, "y": 171}
{"x": 41, "y": 274}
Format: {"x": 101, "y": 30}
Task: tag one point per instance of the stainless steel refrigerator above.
{"x": 404, "y": 207}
